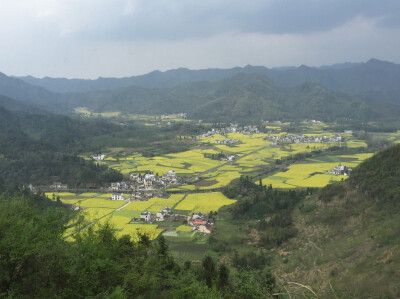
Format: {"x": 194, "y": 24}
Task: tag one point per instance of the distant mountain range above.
{"x": 375, "y": 78}
{"x": 242, "y": 97}
{"x": 365, "y": 91}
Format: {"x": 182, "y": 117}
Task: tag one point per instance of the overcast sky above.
{"x": 117, "y": 38}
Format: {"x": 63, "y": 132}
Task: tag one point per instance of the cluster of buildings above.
{"x": 303, "y": 139}
{"x": 227, "y": 141}
{"x": 175, "y": 115}
{"x": 58, "y": 186}
{"x": 146, "y": 186}
{"x": 200, "y": 222}
{"x": 162, "y": 215}
{"x": 233, "y": 128}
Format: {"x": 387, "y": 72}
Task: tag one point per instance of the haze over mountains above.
{"x": 364, "y": 91}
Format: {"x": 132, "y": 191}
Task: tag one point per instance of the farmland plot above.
{"x": 203, "y": 202}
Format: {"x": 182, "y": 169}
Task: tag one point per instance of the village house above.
{"x": 58, "y": 185}
{"x": 199, "y": 221}
{"x": 118, "y": 186}
{"x": 145, "y": 216}
{"x": 117, "y": 196}
{"x": 75, "y": 207}
{"x": 205, "y": 229}
{"x": 163, "y": 214}
{"x": 197, "y": 215}
{"x": 341, "y": 170}
{"x": 99, "y": 157}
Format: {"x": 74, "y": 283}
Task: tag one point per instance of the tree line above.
{"x": 36, "y": 261}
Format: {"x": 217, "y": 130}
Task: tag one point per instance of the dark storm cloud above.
{"x": 91, "y": 38}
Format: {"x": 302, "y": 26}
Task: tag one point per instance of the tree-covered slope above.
{"x": 348, "y": 235}
{"x": 38, "y": 262}
{"x": 242, "y": 97}
{"x": 19, "y": 106}
{"x": 379, "y": 176}
{"x": 41, "y": 149}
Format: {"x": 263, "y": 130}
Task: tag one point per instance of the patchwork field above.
{"x": 253, "y": 154}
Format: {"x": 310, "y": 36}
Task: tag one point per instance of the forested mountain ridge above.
{"x": 242, "y": 97}
{"x": 248, "y": 95}
{"x": 374, "y": 78}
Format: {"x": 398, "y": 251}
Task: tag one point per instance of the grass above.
{"x": 350, "y": 245}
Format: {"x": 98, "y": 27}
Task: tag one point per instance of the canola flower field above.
{"x": 203, "y": 202}
{"x": 252, "y": 152}
{"x": 313, "y": 174}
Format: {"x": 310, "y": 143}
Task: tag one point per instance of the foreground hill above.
{"x": 242, "y": 97}
{"x": 348, "y": 240}
{"x": 376, "y": 79}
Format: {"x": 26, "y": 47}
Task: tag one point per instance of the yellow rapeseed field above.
{"x": 204, "y": 202}
{"x": 102, "y": 203}
{"x": 153, "y": 205}
{"x": 305, "y": 175}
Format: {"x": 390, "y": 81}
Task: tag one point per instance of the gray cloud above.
{"x": 90, "y": 38}
{"x": 160, "y": 19}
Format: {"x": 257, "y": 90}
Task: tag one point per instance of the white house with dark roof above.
{"x": 117, "y": 196}
{"x": 145, "y": 216}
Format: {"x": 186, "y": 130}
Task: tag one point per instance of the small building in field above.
{"x": 145, "y": 216}
{"x": 205, "y": 229}
{"x": 160, "y": 216}
{"x": 163, "y": 214}
{"x": 58, "y": 185}
{"x": 117, "y": 196}
{"x": 99, "y": 157}
{"x": 197, "y": 215}
{"x": 199, "y": 221}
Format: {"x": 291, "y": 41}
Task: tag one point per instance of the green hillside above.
{"x": 242, "y": 97}
{"x": 348, "y": 236}
{"x": 41, "y": 149}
